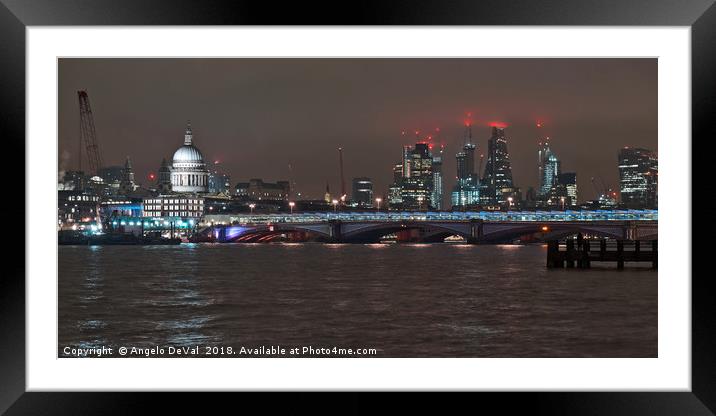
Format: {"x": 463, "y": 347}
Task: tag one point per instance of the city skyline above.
{"x": 365, "y": 119}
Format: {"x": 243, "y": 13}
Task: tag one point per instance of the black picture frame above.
{"x": 15, "y": 15}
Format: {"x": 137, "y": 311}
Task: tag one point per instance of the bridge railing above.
{"x": 487, "y": 216}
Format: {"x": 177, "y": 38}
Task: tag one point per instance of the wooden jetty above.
{"x": 581, "y": 252}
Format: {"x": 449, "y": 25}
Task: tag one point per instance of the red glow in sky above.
{"x": 498, "y": 124}
{"x": 151, "y": 175}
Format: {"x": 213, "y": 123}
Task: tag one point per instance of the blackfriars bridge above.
{"x": 474, "y": 227}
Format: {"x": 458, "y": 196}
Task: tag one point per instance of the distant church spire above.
{"x": 187, "y": 134}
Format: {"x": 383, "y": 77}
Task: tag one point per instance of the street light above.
{"x": 509, "y": 202}
{"x": 335, "y": 205}
{"x": 291, "y": 204}
{"x": 561, "y": 199}
{"x": 252, "y": 206}
{"x": 378, "y": 201}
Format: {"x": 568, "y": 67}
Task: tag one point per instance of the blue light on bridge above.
{"x": 487, "y": 216}
{"x": 234, "y": 232}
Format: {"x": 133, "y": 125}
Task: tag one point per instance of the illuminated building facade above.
{"x": 258, "y": 190}
{"x": 417, "y": 182}
{"x": 466, "y": 191}
{"x": 76, "y": 207}
{"x": 436, "y": 199}
{"x": 176, "y": 206}
{"x": 567, "y": 183}
{"x": 219, "y": 181}
{"x": 551, "y": 168}
{"x": 395, "y": 200}
{"x": 638, "y": 178}
{"x": 497, "y": 182}
{"x": 362, "y": 192}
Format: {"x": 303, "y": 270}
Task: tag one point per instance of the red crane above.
{"x": 88, "y": 135}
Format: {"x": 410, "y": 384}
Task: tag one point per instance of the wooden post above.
{"x": 620, "y": 254}
{"x": 655, "y": 254}
{"x": 585, "y": 255}
{"x": 602, "y": 249}
{"x": 570, "y": 253}
{"x": 637, "y": 249}
{"x": 552, "y": 253}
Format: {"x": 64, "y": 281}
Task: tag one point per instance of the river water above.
{"x": 403, "y": 300}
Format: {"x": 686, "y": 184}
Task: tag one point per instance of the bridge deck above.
{"x": 397, "y": 216}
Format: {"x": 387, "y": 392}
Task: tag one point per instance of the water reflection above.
{"x": 407, "y": 300}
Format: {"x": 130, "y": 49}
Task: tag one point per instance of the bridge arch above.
{"x": 431, "y": 232}
{"x": 271, "y": 232}
{"x": 495, "y": 233}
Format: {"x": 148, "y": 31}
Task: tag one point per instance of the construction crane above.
{"x": 88, "y": 135}
{"x": 343, "y": 179}
{"x": 291, "y": 182}
{"x": 604, "y": 191}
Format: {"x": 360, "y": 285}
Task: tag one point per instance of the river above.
{"x": 387, "y": 300}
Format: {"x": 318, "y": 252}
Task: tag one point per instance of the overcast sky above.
{"x": 257, "y": 116}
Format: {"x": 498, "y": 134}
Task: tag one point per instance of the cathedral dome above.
{"x": 188, "y": 172}
{"x": 188, "y": 153}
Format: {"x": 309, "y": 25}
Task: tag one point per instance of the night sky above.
{"x": 257, "y": 116}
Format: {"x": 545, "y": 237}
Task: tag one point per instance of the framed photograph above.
{"x": 412, "y": 197}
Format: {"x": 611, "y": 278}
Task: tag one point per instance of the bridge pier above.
{"x": 335, "y": 230}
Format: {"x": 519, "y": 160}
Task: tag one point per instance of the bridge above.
{"x": 474, "y": 227}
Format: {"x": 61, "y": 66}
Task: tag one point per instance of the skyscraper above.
{"x": 395, "y": 200}
{"x": 219, "y": 181}
{"x": 567, "y": 184}
{"x": 413, "y": 180}
{"x": 543, "y": 153}
{"x": 497, "y": 182}
{"x": 436, "y": 199}
{"x": 466, "y": 190}
{"x": 550, "y": 175}
{"x": 638, "y": 178}
{"x": 363, "y": 192}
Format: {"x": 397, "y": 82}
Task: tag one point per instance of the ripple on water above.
{"x": 406, "y": 300}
